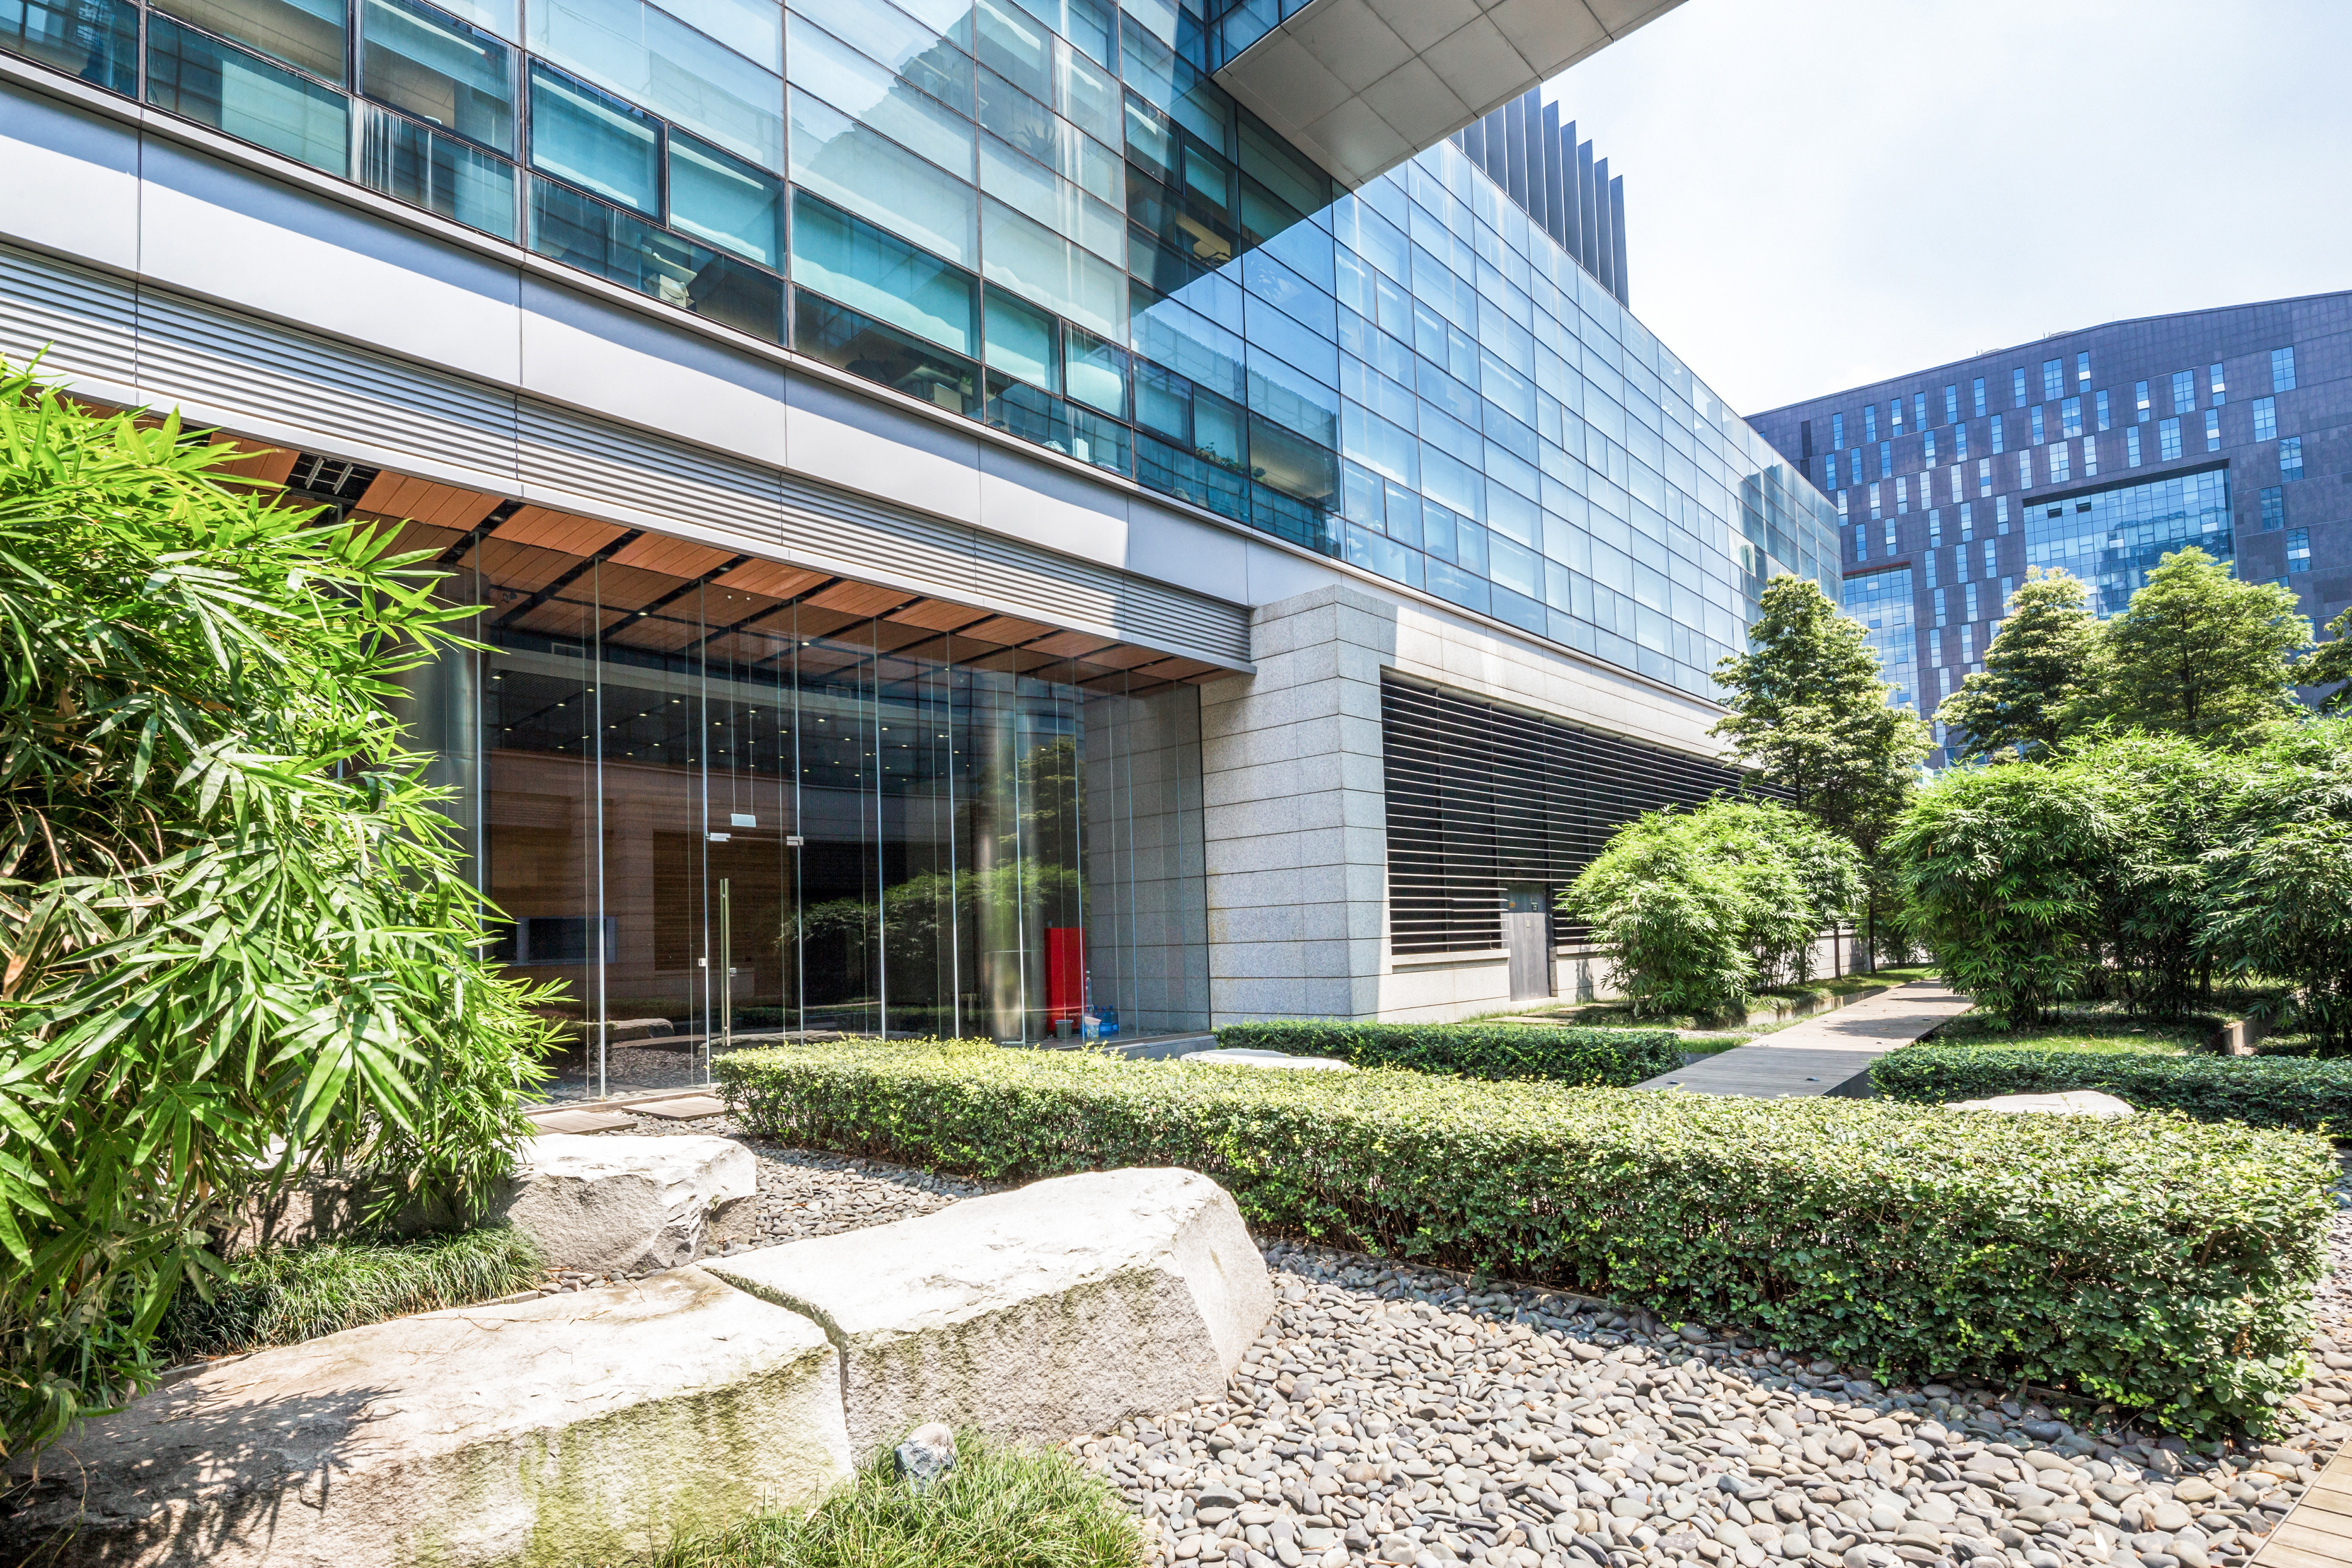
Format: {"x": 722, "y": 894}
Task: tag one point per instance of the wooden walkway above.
{"x": 2318, "y": 1530}
{"x": 1827, "y": 1055}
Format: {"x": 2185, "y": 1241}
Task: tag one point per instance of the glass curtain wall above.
{"x": 712, "y": 818}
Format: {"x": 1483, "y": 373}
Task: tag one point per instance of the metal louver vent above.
{"x": 1482, "y": 796}
{"x": 331, "y": 478}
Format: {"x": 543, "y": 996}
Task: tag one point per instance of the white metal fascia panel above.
{"x": 571, "y": 460}
{"x": 83, "y": 323}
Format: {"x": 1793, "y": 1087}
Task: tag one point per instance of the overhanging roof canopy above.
{"x": 1362, "y": 84}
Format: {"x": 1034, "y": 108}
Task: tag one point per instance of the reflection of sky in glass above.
{"x": 1882, "y": 603}
{"x": 2112, "y": 540}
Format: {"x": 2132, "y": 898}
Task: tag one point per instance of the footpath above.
{"x": 1828, "y": 1054}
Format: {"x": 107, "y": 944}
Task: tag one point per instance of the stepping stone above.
{"x": 685, "y": 1109}
{"x": 1234, "y": 1057}
{"x": 580, "y": 1121}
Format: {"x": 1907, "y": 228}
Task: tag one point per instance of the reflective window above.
{"x": 2274, "y": 507}
{"x": 1977, "y": 396}
{"x": 2212, "y": 430}
{"x": 2053, "y": 379}
{"x": 2265, "y": 419}
{"x": 246, "y": 97}
{"x": 305, "y": 33}
{"x": 726, "y": 201}
{"x": 437, "y": 70}
{"x": 2184, "y": 391}
{"x": 2167, "y": 435}
{"x": 2282, "y": 370}
{"x": 881, "y": 275}
{"x": 2298, "y": 549}
{"x": 2290, "y": 451}
{"x": 595, "y": 141}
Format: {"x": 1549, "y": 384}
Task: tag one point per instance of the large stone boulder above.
{"x": 585, "y": 1427}
{"x": 616, "y": 1203}
{"x": 1061, "y": 1308}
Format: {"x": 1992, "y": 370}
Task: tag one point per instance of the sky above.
{"x": 1824, "y": 193}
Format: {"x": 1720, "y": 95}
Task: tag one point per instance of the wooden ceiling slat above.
{"x": 1124, "y": 656}
{"x": 1004, "y": 630}
{"x": 1070, "y": 645}
{"x": 558, "y": 530}
{"x": 771, "y": 578}
{"x": 677, "y": 557}
{"x": 520, "y": 566}
{"x": 1176, "y": 669}
{"x": 859, "y": 598}
{"x": 813, "y": 623}
{"x": 936, "y": 614}
{"x": 262, "y": 463}
{"x": 426, "y": 501}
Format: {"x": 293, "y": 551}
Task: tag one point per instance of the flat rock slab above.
{"x": 1235, "y": 1057}
{"x": 580, "y": 1122}
{"x": 1063, "y": 1307}
{"x": 2071, "y": 1102}
{"x": 576, "y": 1429}
{"x": 687, "y": 1108}
{"x": 615, "y": 1205}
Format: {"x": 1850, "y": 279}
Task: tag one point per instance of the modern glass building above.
{"x": 2095, "y": 452}
{"x": 949, "y": 482}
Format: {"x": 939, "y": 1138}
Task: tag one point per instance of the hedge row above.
{"x": 1592, "y": 1057}
{"x": 2160, "y": 1264}
{"x": 2308, "y": 1093}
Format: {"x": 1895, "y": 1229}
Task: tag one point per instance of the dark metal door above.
{"x": 1527, "y": 931}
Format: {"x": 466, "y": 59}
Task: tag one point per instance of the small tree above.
{"x": 1696, "y": 909}
{"x": 2198, "y": 652}
{"x": 239, "y": 942}
{"x": 2034, "y": 669}
{"x": 2330, "y": 664}
{"x": 1999, "y": 873}
{"x": 1809, "y": 710}
{"x": 2280, "y": 902}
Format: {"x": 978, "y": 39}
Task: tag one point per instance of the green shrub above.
{"x": 2302, "y": 1092}
{"x": 1698, "y": 910}
{"x": 1618, "y": 1057}
{"x": 2160, "y": 1264}
{"x": 1004, "y": 1505}
{"x": 283, "y": 1295}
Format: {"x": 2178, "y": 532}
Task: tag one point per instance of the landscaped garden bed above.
{"x": 2158, "y": 1265}
{"x": 1591, "y": 1058}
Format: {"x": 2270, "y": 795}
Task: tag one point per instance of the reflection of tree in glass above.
{"x": 1050, "y": 791}
{"x": 918, "y": 906}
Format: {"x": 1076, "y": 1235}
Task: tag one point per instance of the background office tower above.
{"x": 979, "y": 526}
{"x": 2095, "y": 452}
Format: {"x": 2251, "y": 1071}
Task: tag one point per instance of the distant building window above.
{"x": 1969, "y": 601}
{"x": 2070, "y": 416}
{"x": 2017, "y": 398}
{"x": 1932, "y": 554}
{"x": 1988, "y": 557}
{"x": 1936, "y": 598}
{"x": 1934, "y": 530}
{"x": 2000, "y": 515}
{"x": 2139, "y": 400}
{"x": 2090, "y": 456}
{"x": 1977, "y": 387}
{"x": 1918, "y": 410}
{"x": 1996, "y": 435}
{"x": 1943, "y": 683}
{"x": 1829, "y": 472}
{"x": 1967, "y": 645}
{"x": 1869, "y": 422}
{"x": 1959, "y": 443}
{"x": 1837, "y": 429}
{"x": 2282, "y": 370}
{"x": 1873, "y": 502}
{"x": 2291, "y": 457}
{"x": 1968, "y": 519}
{"x": 2061, "y": 470}
{"x": 2212, "y": 430}
{"x": 1927, "y": 449}
{"x": 1956, "y": 481}
{"x": 1902, "y": 496}
{"x": 1951, "y": 403}
{"x": 2274, "y": 507}
{"x": 2184, "y": 391}
{"x": 2218, "y": 387}
{"x": 2131, "y": 446}
{"x": 2082, "y": 367}
{"x": 1886, "y": 458}
{"x": 2167, "y": 436}
{"x": 1984, "y": 476}
{"x": 2298, "y": 549}
{"x": 2265, "y": 419}
{"x": 2102, "y": 409}
{"x": 2035, "y": 413}
{"x": 2025, "y": 470}
{"x": 2053, "y": 379}
{"x": 1862, "y": 542}
{"x": 1894, "y": 416}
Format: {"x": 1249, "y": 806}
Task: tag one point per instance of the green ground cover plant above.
{"x": 1498, "y": 1051}
{"x": 240, "y": 940}
{"x": 282, "y": 1295}
{"x": 2160, "y": 1264}
{"x": 1003, "y": 1506}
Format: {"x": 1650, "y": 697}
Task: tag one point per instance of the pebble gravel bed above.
{"x": 1394, "y": 1416}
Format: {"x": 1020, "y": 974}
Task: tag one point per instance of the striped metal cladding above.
{"x": 1482, "y": 795}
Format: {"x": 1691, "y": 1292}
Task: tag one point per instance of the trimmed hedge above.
{"x": 2309, "y": 1094}
{"x": 2160, "y": 1264}
{"x": 1592, "y": 1057}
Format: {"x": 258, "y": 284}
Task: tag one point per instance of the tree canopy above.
{"x": 2034, "y": 673}
{"x": 1809, "y": 712}
{"x": 2199, "y": 652}
{"x": 2330, "y": 665}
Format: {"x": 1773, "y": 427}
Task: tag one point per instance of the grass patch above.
{"x": 282, "y": 1295}
{"x": 1004, "y": 1506}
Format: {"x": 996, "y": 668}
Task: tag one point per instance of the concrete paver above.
{"x": 1828, "y": 1054}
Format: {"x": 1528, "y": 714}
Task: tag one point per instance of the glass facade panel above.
{"x": 438, "y": 70}
{"x": 1881, "y": 601}
{"x": 305, "y": 33}
{"x": 440, "y": 173}
{"x": 715, "y": 817}
{"x": 2112, "y": 538}
{"x": 96, "y": 40}
{"x": 246, "y": 97}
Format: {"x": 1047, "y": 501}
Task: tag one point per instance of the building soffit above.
{"x": 1361, "y": 86}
